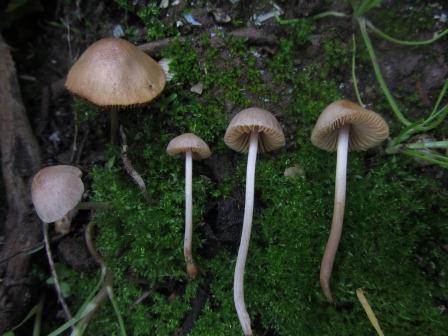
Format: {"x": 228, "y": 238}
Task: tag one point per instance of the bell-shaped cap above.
{"x": 55, "y": 191}
{"x": 113, "y": 72}
{"x": 188, "y": 141}
{"x": 254, "y": 119}
{"x": 367, "y": 128}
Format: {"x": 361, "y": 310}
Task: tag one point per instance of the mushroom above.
{"x": 194, "y": 148}
{"x": 113, "y": 73}
{"x": 55, "y": 192}
{"x": 251, "y": 130}
{"x": 343, "y": 126}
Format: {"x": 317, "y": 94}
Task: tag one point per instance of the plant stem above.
{"x": 114, "y": 122}
{"x": 430, "y": 156}
{"x": 238, "y": 283}
{"x": 315, "y": 17}
{"x": 338, "y": 212}
{"x": 389, "y": 38}
{"x": 93, "y": 205}
{"x": 38, "y": 319}
{"x": 440, "y": 97}
{"x": 379, "y": 75}
{"x": 355, "y": 80}
{"x": 427, "y": 144}
{"x": 57, "y": 285}
{"x": 192, "y": 270}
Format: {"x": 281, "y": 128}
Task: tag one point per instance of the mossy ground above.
{"x": 392, "y": 212}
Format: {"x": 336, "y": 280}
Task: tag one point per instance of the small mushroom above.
{"x": 194, "y": 148}
{"x": 55, "y": 192}
{"x": 341, "y": 127}
{"x": 113, "y": 73}
{"x": 251, "y": 130}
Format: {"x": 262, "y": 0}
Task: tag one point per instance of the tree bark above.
{"x": 20, "y": 160}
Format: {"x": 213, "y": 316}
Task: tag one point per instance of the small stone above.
{"x": 220, "y": 16}
{"x": 197, "y": 88}
{"x": 191, "y": 20}
{"x": 164, "y": 3}
{"x": 294, "y": 171}
{"x": 118, "y": 31}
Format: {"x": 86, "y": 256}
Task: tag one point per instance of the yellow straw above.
{"x": 369, "y": 311}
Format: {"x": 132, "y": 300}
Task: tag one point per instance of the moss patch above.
{"x": 391, "y": 210}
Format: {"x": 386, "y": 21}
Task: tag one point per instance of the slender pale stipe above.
{"x": 238, "y": 284}
{"x": 338, "y": 213}
{"x": 191, "y": 267}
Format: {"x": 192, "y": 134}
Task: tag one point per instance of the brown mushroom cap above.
{"x": 254, "y": 119}
{"x": 186, "y": 142}
{"x": 367, "y": 130}
{"x": 114, "y": 73}
{"x": 55, "y": 191}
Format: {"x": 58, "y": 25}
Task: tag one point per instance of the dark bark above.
{"x": 20, "y": 159}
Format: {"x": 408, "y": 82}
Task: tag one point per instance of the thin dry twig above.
{"x": 130, "y": 168}
{"x": 252, "y": 35}
{"x": 370, "y": 314}
{"x": 54, "y": 274}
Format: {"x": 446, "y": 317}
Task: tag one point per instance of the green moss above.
{"x": 84, "y": 111}
{"x": 404, "y": 21}
{"x": 387, "y": 218}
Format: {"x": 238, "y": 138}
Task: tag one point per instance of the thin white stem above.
{"x": 238, "y": 283}
{"x": 338, "y": 212}
{"x": 57, "y": 285}
{"x": 192, "y": 270}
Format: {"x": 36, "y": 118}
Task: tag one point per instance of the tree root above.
{"x": 20, "y": 159}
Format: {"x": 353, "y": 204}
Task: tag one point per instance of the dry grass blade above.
{"x": 370, "y": 314}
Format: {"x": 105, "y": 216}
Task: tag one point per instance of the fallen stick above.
{"x": 252, "y": 35}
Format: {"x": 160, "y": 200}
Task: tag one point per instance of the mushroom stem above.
{"x": 238, "y": 283}
{"x": 338, "y": 212}
{"x": 114, "y": 123}
{"x": 63, "y": 225}
{"x": 57, "y": 285}
{"x": 192, "y": 270}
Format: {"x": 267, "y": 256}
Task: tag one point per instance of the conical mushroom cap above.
{"x": 367, "y": 130}
{"x": 55, "y": 191}
{"x": 114, "y": 73}
{"x": 186, "y": 142}
{"x": 254, "y": 119}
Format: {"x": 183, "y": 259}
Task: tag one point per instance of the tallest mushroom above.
{"x": 341, "y": 127}
{"x": 251, "y": 130}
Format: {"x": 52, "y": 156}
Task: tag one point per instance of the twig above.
{"x": 252, "y": 35}
{"x": 32, "y": 249}
{"x": 130, "y": 168}
{"x": 57, "y": 285}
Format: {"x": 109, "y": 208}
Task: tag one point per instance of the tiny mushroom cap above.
{"x": 254, "y": 119}
{"x": 113, "y": 72}
{"x": 188, "y": 141}
{"x": 55, "y": 191}
{"x": 367, "y": 128}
